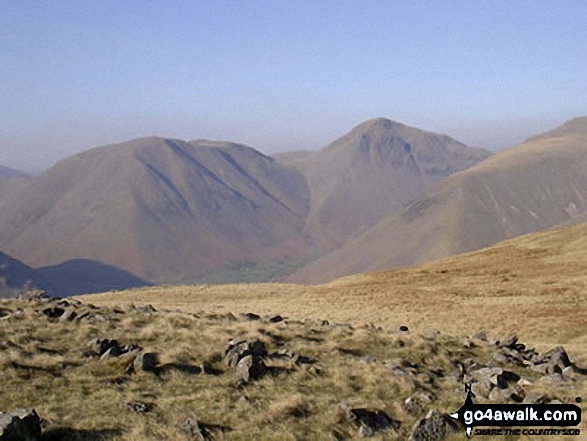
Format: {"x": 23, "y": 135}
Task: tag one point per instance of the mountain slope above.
{"x": 160, "y": 209}
{"x": 15, "y": 275}
{"x": 533, "y": 186}
{"x": 7, "y": 172}
{"x": 372, "y": 171}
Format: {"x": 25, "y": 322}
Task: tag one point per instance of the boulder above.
{"x": 435, "y": 427}
{"x": 250, "y": 368}
{"x": 237, "y": 350}
{"x": 20, "y": 425}
{"x": 147, "y": 362}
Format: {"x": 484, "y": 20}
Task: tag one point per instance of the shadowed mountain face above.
{"x": 7, "y": 172}
{"x": 374, "y": 170}
{"x": 15, "y": 275}
{"x": 160, "y": 209}
{"x": 533, "y": 186}
{"x": 85, "y": 276}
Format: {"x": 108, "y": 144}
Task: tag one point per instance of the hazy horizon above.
{"x": 282, "y": 77}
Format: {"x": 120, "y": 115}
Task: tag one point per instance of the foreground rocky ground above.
{"x": 140, "y": 373}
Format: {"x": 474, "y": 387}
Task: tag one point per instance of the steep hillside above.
{"x": 533, "y": 186}
{"x": 372, "y": 171}
{"x": 162, "y": 209}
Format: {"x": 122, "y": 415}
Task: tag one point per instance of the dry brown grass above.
{"x": 534, "y": 286}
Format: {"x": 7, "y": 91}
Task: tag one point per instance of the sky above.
{"x": 282, "y": 75}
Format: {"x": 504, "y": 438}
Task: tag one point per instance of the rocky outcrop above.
{"x": 20, "y": 425}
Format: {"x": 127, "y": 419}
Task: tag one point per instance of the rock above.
{"x": 557, "y": 360}
{"x": 114, "y": 351}
{"x": 552, "y": 379}
{"x": 101, "y": 346}
{"x": 404, "y": 329}
{"x": 535, "y": 398}
{"x": 252, "y": 317}
{"x": 193, "y": 430}
{"x": 250, "y": 368}
{"x": 148, "y": 309}
{"x": 20, "y": 425}
{"x": 435, "y": 427}
{"x": 413, "y": 406}
{"x": 137, "y": 407}
{"x": 276, "y": 319}
{"x": 69, "y": 315}
{"x": 371, "y": 421}
{"x": 481, "y": 335}
{"x": 5, "y": 313}
{"x": 509, "y": 342}
{"x": 147, "y": 362}
{"x": 514, "y": 393}
{"x": 502, "y": 379}
{"x": 368, "y": 359}
{"x": 236, "y": 351}
{"x": 53, "y": 313}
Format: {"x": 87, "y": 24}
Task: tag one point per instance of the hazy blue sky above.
{"x": 282, "y": 75}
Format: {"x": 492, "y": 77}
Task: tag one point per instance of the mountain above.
{"x": 15, "y": 275}
{"x": 7, "y": 172}
{"x": 530, "y": 187}
{"x": 163, "y": 210}
{"x": 375, "y": 169}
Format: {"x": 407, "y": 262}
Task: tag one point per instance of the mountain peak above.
{"x": 377, "y": 124}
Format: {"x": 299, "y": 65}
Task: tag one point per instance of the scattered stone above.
{"x": 147, "y": 362}
{"x": 237, "y": 350}
{"x": 137, "y": 407}
{"x": 53, "y": 313}
{"x": 404, "y": 329}
{"x": 250, "y": 368}
{"x": 276, "y": 319}
{"x": 20, "y": 425}
{"x": 435, "y": 427}
{"x": 148, "y": 309}
{"x": 252, "y": 317}
{"x": 69, "y": 315}
{"x": 193, "y": 430}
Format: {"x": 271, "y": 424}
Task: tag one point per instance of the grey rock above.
{"x": 147, "y": 362}
{"x": 435, "y": 427}
{"x": 250, "y": 368}
{"x": 137, "y": 407}
{"x": 237, "y": 350}
{"x": 53, "y": 313}
{"x": 193, "y": 430}
{"x": 20, "y": 425}
{"x": 535, "y": 398}
{"x": 69, "y": 315}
